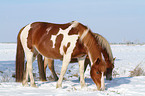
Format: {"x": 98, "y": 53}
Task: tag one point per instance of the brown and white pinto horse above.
{"x": 105, "y": 50}
{"x": 60, "y": 41}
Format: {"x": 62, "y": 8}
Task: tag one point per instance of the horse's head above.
{"x": 109, "y": 69}
{"x": 97, "y": 71}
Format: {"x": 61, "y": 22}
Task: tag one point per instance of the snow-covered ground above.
{"x": 127, "y": 58}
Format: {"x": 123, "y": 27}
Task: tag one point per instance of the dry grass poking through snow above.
{"x": 138, "y": 71}
{"x": 115, "y": 74}
{"x": 5, "y": 78}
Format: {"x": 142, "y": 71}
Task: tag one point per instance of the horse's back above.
{"x": 52, "y": 40}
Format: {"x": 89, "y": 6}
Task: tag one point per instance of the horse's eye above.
{"x": 97, "y": 72}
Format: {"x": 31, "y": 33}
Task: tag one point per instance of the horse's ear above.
{"x": 114, "y": 59}
{"x": 97, "y": 61}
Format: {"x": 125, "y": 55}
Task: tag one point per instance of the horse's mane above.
{"x": 105, "y": 45}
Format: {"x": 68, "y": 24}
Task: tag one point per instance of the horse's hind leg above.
{"x": 50, "y": 63}
{"x": 30, "y": 58}
{"x": 25, "y": 77}
{"x": 81, "y": 68}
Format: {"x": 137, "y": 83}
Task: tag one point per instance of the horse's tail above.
{"x": 105, "y": 45}
{"x": 19, "y": 59}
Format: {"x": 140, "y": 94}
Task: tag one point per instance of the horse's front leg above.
{"x": 66, "y": 60}
{"x": 81, "y": 68}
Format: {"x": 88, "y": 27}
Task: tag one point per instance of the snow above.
{"x": 127, "y": 58}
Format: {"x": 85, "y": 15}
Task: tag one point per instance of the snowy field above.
{"x": 127, "y": 58}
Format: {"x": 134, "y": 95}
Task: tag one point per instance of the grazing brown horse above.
{"x": 60, "y": 41}
{"x": 105, "y": 49}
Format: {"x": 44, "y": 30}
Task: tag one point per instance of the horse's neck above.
{"x": 92, "y": 47}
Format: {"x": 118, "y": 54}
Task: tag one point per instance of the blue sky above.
{"x": 117, "y": 20}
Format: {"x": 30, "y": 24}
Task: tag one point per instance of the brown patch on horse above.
{"x": 73, "y": 31}
{"x": 66, "y": 47}
{"x": 79, "y": 50}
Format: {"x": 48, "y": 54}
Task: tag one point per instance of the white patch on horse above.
{"x": 53, "y": 38}
{"x": 90, "y": 58}
{"x": 102, "y": 82}
{"x": 102, "y": 56}
{"x": 24, "y": 36}
{"x": 84, "y": 34}
{"x": 66, "y": 38}
{"x": 48, "y": 29}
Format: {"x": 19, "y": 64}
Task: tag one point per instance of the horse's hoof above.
{"x": 34, "y": 85}
{"x": 25, "y": 84}
{"x": 58, "y": 86}
{"x": 83, "y": 86}
{"x": 101, "y": 89}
